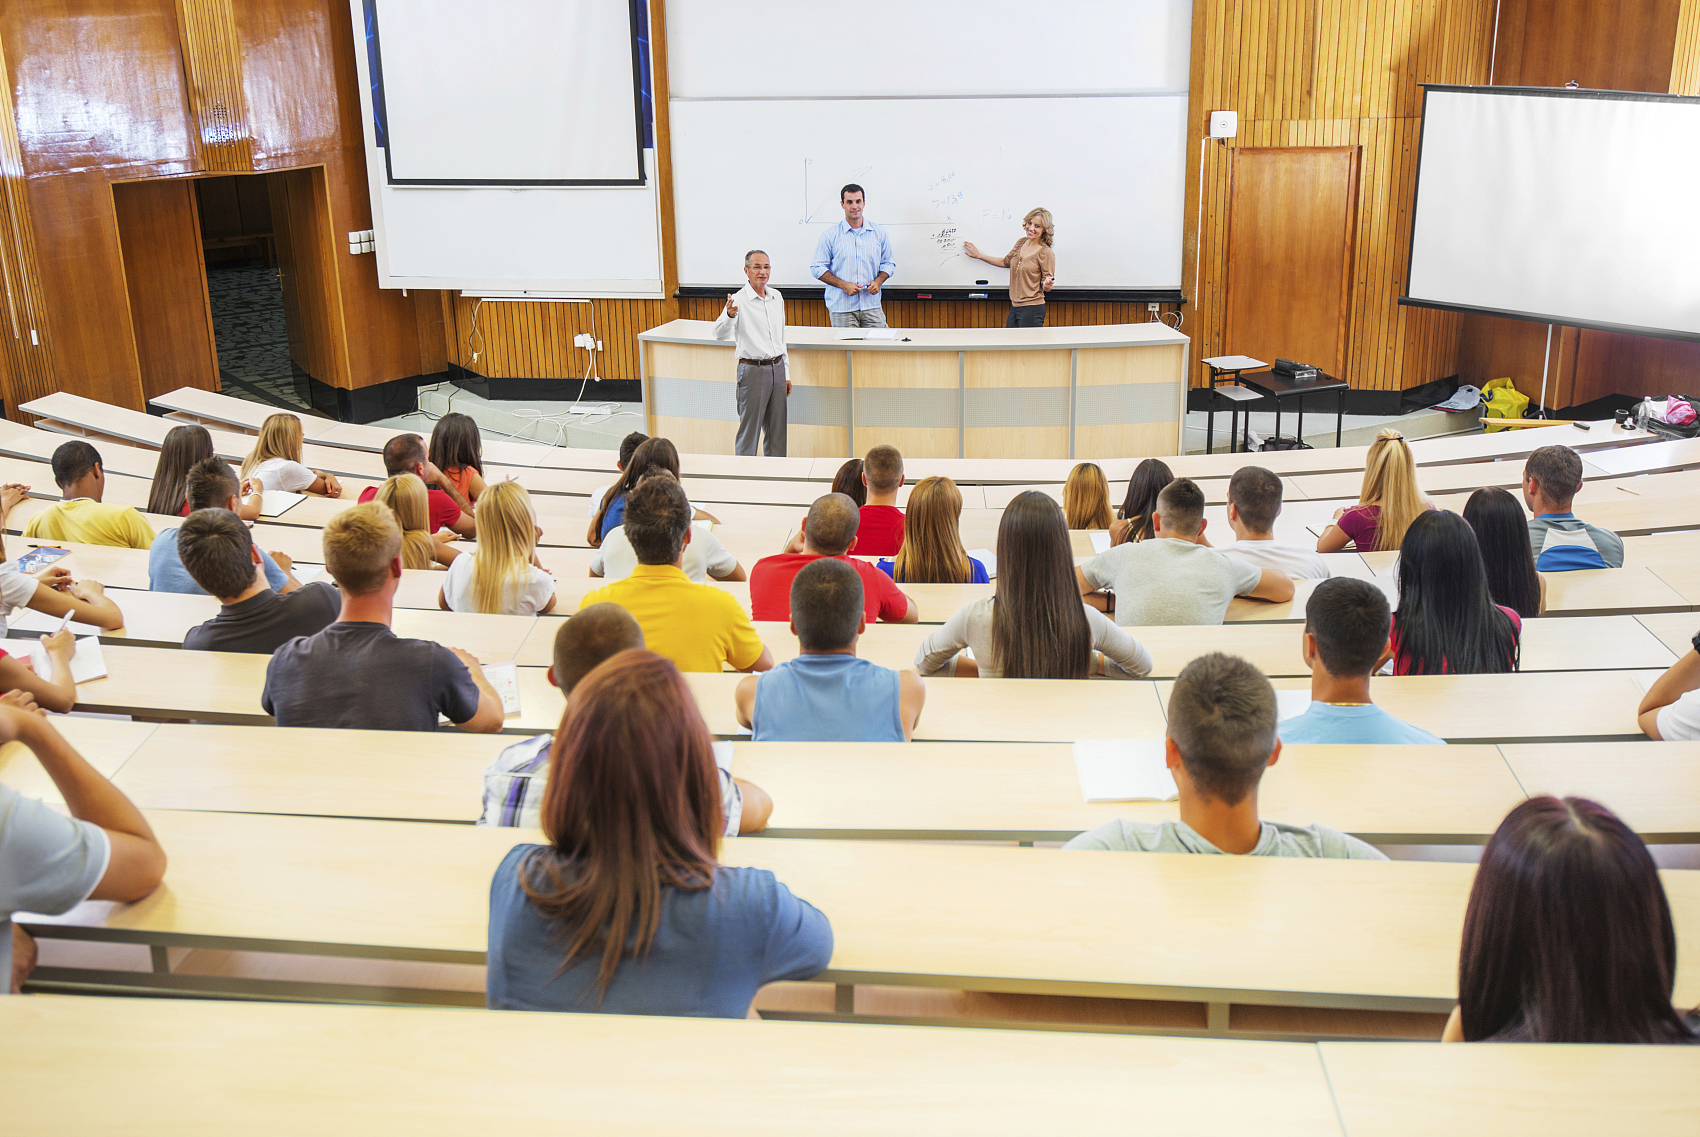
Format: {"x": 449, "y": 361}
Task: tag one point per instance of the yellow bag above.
{"x": 1501, "y": 400}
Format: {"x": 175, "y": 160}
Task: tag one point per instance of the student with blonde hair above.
{"x": 275, "y": 461}
{"x": 1086, "y": 498}
{"x": 407, "y": 499}
{"x": 1387, "y": 504}
{"x": 932, "y": 551}
{"x": 502, "y": 577}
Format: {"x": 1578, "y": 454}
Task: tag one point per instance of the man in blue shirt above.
{"x": 1347, "y": 625}
{"x": 1561, "y": 540}
{"x": 853, "y": 259}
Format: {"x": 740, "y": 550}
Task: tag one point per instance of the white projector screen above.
{"x": 509, "y": 92}
{"x": 1560, "y": 205}
{"x": 956, "y": 116}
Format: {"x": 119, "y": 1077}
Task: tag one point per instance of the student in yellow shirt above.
{"x": 697, "y": 626}
{"x": 82, "y": 516}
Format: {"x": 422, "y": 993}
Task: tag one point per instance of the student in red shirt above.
{"x": 829, "y": 531}
{"x": 881, "y": 531}
{"x": 405, "y": 454}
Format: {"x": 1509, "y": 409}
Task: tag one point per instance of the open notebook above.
{"x": 275, "y": 503}
{"x": 88, "y": 663}
{"x": 1123, "y": 769}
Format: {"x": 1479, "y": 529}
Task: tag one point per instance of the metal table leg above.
{"x": 1340, "y": 418}
{"x": 1300, "y": 435}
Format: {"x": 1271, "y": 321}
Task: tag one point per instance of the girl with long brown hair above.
{"x": 652, "y": 454}
{"x": 1387, "y": 504}
{"x": 627, "y": 909}
{"x": 183, "y": 447}
{"x": 932, "y": 551}
{"x": 457, "y": 449}
{"x": 1086, "y": 498}
{"x": 1035, "y": 626}
{"x": 1140, "y": 504}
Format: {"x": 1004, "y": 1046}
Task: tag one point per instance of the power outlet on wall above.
{"x": 1152, "y": 307}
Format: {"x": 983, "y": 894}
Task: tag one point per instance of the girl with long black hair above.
{"x": 1447, "y": 622}
{"x": 1502, "y": 534}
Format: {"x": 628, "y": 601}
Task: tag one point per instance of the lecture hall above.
{"x": 500, "y": 500}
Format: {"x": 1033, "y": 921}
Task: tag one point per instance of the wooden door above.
{"x": 1292, "y": 214}
{"x": 165, "y": 276}
{"x": 306, "y": 260}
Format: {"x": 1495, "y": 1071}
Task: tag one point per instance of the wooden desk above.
{"x": 1648, "y": 458}
{"x": 447, "y": 1073}
{"x": 212, "y": 407}
{"x": 1584, "y": 592}
{"x": 1673, "y": 629}
{"x": 1391, "y": 1089}
{"x": 1653, "y": 549}
{"x": 1683, "y": 579}
{"x": 1654, "y": 787}
{"x": 106, "y": 743}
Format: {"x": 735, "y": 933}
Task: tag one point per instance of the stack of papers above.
{"x": 1123, "y": 769}
{"x": 87, "y": 664}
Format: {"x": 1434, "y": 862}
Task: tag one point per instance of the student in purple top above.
{"x": 627, "y": 909}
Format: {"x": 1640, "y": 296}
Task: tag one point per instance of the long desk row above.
{"x": 167, "y": 684}
{"x": 1398, "y": 795}
{"x": 444, "y": 1073}
{"x": 1279, "y": 932}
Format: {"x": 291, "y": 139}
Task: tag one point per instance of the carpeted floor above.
{"x": 253, "y": 341}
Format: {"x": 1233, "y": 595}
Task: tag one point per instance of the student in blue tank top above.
{"x": 827, "y": 694}
{"x": 627, "y": 909}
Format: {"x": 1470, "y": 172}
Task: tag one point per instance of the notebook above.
{"x": 39, "y": 558}
{"x": 504, "y": 677}
{"x": 275, "y": 503}
{"x": 849, "y": 333}
{"x": 88, "y": 663}
{"x": 987, "y": 558}
{"x": 1123, "y": 769}
{"x": 1100, "y": 540}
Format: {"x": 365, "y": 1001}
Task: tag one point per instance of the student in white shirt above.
{"x": 275, "y": 460}
{"x": 705, "y": 556}
{"x": 755, "y": 319}
{"x": 1254, "y": 502}
{"x": 1670, "y": 710}
{"x": 502, "y": 576}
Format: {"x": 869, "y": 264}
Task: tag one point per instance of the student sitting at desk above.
{"x": 184, "y": 448}
{"x": 697, "y": 626}
{"x": 502, "y": 576}
{"x": 827, "y": 694}
{"x": 405, "y": 454}
{"x": 626, "y": 910}
{"x": 932, "y": 551}
{"x": 357, "y": 674}
{"x": 220, "y": 555}
{"x": 1568, "y": 934}
{"x": 1345, "y": 640}
{"x": 211, "y": 484}
{"x": 50, "y": 863}
{"x": 881, "y": 528}
{"x": 1035, "y": 626}
{"x": 275, "y": 460}
{"x": 82, "y": 516}
{"x": 1670, "y": 710}
{"x": 1254, "y": 502}
{"x": 51, "y": 590}
{"x": 1174, "y": 578}
{"x": 1561, "y": 540}
{"x": 515, "y": 782}
{"x": 830, "y": 530}
{"x": 1388, "y": 500}
{"x": 1221, "y": 737}
{"x": 1446, "y": 622}
{"x": 705, "y": 556}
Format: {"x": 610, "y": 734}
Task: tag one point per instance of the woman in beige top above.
{"x": 1032, "y": 269}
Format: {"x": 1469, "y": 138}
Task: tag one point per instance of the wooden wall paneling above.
{"x": 1290, "y": 253}
{"x": 26, "y": 356}
{"x": 283, "y": 242}
{"x": 301, "y": 219}
{"x": 1616, "y": 45}
{"x": 1685, "y": 60}
{"x": 165, "y": 276}
{"x": 212, "y": 61}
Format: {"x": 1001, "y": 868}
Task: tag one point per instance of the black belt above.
{"x": 762, "y": 362}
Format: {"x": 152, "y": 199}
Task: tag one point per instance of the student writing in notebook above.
{"x": 1221, "y": 738}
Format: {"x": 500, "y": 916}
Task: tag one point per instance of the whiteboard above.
{"x": 937, "y": 171}
{"x": 1571, "y": 207}
{"x": 823, "y": 48}
{"x": 570, "y": 241}
{"x": 552, "y": 98}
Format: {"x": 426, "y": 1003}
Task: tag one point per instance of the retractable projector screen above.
{"x": 1559, "y": 205}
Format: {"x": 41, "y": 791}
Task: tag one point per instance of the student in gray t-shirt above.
{"x": 1175, "y": 577}
{"x": 1221, "y": 738}
{"x": 221, "y": 557}
{"x": 50, "y": 863}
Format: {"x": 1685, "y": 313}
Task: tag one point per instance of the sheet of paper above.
{"x": 41, "y": 624}
{"x": 307, "y": 573}
{"x": 1100, "y": 540}
{"x": 723, "y": 755}
{"x": 1123, "y": 769}
{"x": 882, "y": 333}
{"x": 275, "y": 503}
{"x": 1291, "y": 703}
{"x": 504, "y": 677}
{"x": 987, "y": 558}
{"x": 87, "y": 664}
{"x": 849, "y": 333}
{"x": 1644, "y": 680}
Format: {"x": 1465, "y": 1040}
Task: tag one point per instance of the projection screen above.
{"x": 1559, "y": 205}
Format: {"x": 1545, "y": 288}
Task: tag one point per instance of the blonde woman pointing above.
{"x": 1032, "y": 269}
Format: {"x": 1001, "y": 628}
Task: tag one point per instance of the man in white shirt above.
{"x": 755, "y": 320}
{"x": 1254, "y": 502}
